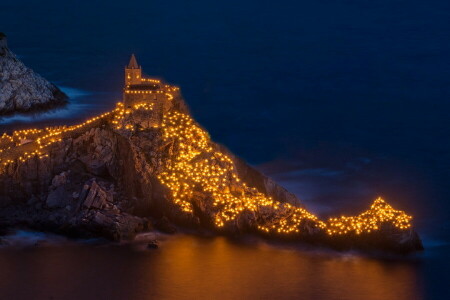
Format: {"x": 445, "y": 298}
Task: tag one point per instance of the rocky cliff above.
{"x": 116, "y": 175}
{"x": 21, "y": 89}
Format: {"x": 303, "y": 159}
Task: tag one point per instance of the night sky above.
{"x": 339, "y": 101}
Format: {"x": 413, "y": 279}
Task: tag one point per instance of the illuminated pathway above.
{"x": 24, "y": 144}
{"x": 196, "y": 166}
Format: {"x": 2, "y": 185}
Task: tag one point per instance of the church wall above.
{"x": 133, "y": 76}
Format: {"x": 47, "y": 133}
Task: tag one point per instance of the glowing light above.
{"x": 197, "y": 168}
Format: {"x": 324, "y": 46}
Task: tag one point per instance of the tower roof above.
{"x": 133, "y": 63}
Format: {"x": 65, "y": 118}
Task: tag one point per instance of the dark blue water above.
{"x": 340, "y": 101}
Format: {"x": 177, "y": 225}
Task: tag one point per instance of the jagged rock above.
{"x": 97, "y": 209}
{"x": 132, "y": 163}
{"x": 59, "y": 180}
{"x": 21, "y": 88}
{"x": 57, "y": 198}
{"x": 165, "y": 226}
{"x": 97, "y": 197}
{"x": 84, "y": 192}
{"x": 115, "y": 227}
{"x": 153, "y": 244}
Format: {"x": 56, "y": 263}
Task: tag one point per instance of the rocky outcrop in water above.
{"x": 21, "y": 89}
{"x": 108, "y": 178}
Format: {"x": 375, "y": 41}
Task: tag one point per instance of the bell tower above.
{"x": 133, "y": 72}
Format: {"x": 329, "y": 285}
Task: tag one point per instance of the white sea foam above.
{"x": 71, "y": 109}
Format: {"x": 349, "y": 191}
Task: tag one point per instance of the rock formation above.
{"x": 21, "y": 89}
{"x": 116, "y": 175}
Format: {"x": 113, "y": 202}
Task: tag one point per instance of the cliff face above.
{"x": 21, "y": 89}
{"x": 117, "y": 175}
{"x": 93, "y": 178}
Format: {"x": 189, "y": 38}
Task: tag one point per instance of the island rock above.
{"x": 148, "y": 161}
{"x": 21, "y": 89}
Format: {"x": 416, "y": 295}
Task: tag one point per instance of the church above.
{"x": 140, "y": 90}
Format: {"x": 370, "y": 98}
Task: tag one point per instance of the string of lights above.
{"x": 198, "y": 168}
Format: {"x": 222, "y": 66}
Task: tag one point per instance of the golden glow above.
{"x": 160, "y": 88}
{"x": 196, "y": 169}
{"x": 12, "y": 149}
{"x": 379, "y": 213}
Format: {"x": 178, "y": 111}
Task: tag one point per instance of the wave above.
{"x": 25, "y": 238}
{"x": 74, "y": 107}
{"x": 433, "y": 243}
{"x": 74, "y": 93}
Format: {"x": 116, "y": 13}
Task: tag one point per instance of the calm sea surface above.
{"x": 188, "y": 267}
{"x": 339, "y": 101}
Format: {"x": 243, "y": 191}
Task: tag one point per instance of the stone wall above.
{"x": 153, "y": 118}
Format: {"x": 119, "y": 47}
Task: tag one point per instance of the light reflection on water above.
{"x": 187, "y": 267}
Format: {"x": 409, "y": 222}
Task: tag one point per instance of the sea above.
{"x": 339, "y": 101}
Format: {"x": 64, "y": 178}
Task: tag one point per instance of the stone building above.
{"x": 140, "y": 90}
